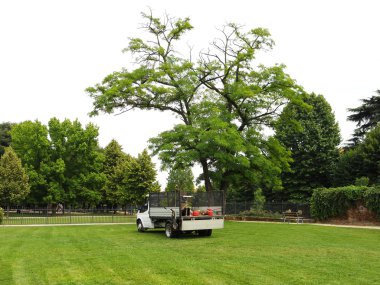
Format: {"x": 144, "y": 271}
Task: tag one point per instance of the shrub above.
{"x": 372, "y": 200}
{"x": 328, "y": 203}
{"x": 362, "y": 181}
{"x": 260, "y": 214}
{"x": 1, "y": 215}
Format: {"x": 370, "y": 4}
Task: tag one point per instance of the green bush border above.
{"x": 328, "y": 203}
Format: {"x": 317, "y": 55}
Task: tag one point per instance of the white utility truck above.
{"x": 182, "y": 213}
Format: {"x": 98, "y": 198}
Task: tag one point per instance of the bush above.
{"x": 372, "y": 200}
{"x": 1, "y": 215}
{"x": 259, "y": 213}
{"x": 328, "y": 203}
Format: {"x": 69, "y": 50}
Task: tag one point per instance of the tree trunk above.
{"x": 224, "y": 184}
{"x": 206, "y": 175}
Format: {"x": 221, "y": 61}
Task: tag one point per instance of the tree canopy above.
{"x": 361, "y": 161}
{"x": 5, "y": 136}
{"x": 62, "y": 161}
{"x": 14, "y": 184}
{"x": 223, "y": 98}
{"x": 312, "y": 135}
{"x": 366, "y": 117}
{"x": 180, "y": 179}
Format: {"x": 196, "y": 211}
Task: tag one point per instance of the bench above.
{"x": 289, "y": 216}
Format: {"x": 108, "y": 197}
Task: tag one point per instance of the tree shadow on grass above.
{"x": 180, "y": 236}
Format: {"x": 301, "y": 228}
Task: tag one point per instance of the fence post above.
{"x": 70, "y": 213}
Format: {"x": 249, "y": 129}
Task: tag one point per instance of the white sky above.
{"x": 50, "y": 51}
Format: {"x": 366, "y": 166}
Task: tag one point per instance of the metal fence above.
{"x": 28, "y": 216}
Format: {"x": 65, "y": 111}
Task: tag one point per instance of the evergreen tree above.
{"x": 361, "y": 161}
{"x": 116, "y": 167}
{"x": 141, "y": 178}
{"x": 366, "y": 117}
{"x": 312, "y": 135}
{"x": 5, "y": 136}
{"x": 13, "y": 179}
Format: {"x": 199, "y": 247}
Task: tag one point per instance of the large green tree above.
{"x": 312, "y": 135}
{"x": 63, "y": 161}
{"x": 13, "y": 179}
{"x": 116, "y": 169}
{"x": 76, "y": 155}
{"x": 223, "y": 99}
{"x": 30, "y": 142}
{"x": 180, "y": 179}
{"x": 366, "y": 117}
{"x": 141, "y": 179}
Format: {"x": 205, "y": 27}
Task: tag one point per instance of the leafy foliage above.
{"x": 13, "y": 180}
{"x": 116, "y": 167}
{"x": 366, "y": 116}
{"x": 180, "y": 180}
{"x": 5, "y": 137}
{"x": 222, "y": 99}
{"x": 63, "y": 161}
{"x": 334, "y": 202}
{"x": 361, "y": 161}
{"x": 66, "y": 165}
{"x": 311, "y": 133}
{"x": 141, "y": 178}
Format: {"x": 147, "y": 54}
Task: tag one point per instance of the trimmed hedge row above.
{"x": 328, "y": 203}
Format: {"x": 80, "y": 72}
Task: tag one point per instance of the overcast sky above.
{"x": 50, "y": 51}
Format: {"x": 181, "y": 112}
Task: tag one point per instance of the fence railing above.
{"x": 25, "y": 216}
{"x": 28, "y": 216}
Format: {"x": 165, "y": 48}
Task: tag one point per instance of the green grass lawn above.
{"x": 242, "y": 253}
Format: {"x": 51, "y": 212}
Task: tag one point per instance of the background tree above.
{"x": 5, "y": 136}
{"x": 361, "y": 161}
{"x": 116, "y": 168}
{"x": 30, "y": 142}
{"x": 370, "y": 152}
{"x": 141, "y": 179}
{"x": 366, "y": 117}
{"x": 180, "y": 179}
{"x": 222, "y": 99}
{"x": 63, "y": 161}
{"x": 13, "y": 179}
{"x": 312, "y": 135}
{"x": 76, "y": 148}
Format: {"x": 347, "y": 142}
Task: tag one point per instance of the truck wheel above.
{"x": 140, "y": 226}
{"x": 204, "y": 233}
{"x": 169, "y": 231}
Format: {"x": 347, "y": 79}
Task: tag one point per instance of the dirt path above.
{"x": 350, "y": 226}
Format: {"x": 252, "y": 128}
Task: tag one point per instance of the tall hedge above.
{"x": 334, "y": 202}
